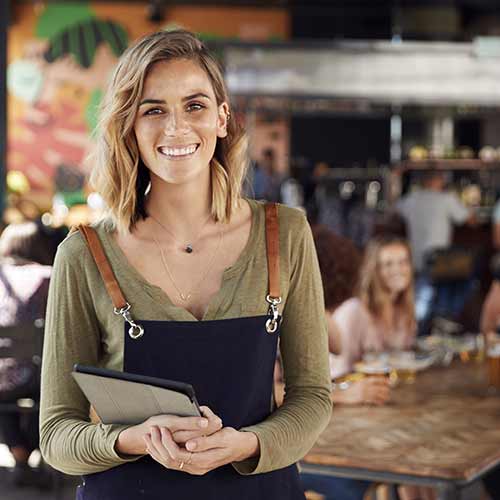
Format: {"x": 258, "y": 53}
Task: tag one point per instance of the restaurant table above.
{"x": 441, "y": 431}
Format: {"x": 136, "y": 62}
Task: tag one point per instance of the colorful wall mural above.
{"x": 59, "y": 59}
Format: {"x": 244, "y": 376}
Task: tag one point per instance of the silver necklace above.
{"x": 189, "y": 247}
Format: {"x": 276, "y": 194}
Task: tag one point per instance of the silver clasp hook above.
{"x": 273, "y": 323}
{"x": 135, "y": 331}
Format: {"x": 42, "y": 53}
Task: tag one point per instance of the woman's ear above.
{"x": 222, "y": 120}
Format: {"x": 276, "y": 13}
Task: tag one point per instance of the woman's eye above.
{"x": 153, "y": 111}
{"x": 195, "y": 106}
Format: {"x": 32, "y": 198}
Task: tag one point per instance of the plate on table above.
{"x": 458, "y": 344}
{"x": 399, "y": 360}
{"x": 412, "y": 360}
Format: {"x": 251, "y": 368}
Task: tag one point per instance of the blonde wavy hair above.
{"x": 373, "y": 293}
{"x": 119, "y": 174}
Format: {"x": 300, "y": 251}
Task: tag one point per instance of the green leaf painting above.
{"x": 82, "y": 39}
{"x": 57, "y": 17}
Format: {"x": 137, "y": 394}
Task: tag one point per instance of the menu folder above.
{"x": 127, "y": 398}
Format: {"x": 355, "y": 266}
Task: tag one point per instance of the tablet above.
{"x": 127, "y": 398}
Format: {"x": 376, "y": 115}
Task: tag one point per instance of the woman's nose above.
{"x": 175, "y": 124}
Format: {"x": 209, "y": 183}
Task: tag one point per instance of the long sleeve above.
{"x": 291, "y": 430}
{"x": 68, "y": 441}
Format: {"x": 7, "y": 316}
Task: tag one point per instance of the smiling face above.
{"x": 178, "y": 122}
{"x": 395, "y": 268}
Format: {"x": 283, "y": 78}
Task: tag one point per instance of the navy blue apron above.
{"x": 230, "y": 364}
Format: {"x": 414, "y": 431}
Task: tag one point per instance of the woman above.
{"x": 381, "y": 317}
{"x": 189, "y": 254}
{"x": 25, "y": 260}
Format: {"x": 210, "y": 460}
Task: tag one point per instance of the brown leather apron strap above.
{"x": 102, "y": 264}
{"x": 273, "y": 249}
{"x": 273, "y": 266}
{"x": 121, "y": 306}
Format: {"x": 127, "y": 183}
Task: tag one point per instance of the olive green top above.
{"x": 81, "y": 328}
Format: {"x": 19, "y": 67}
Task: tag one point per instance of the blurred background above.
{"x": 347, "y": 105}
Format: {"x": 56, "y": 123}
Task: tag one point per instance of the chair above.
{"x": 24, "y": 342}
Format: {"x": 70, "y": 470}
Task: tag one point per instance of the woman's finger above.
{"x": 214, "y": 425}
{"x": 151, "y": 448}
{"x": 181, "y": 437}
{"x": 204, "y": 443}
{"x": 158, "y": 446}
{"x": 174, "y": 423}
{"x": 214, "y": 420}
{"x": 176, "y": 453}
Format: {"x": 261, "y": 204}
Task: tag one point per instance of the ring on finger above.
{"x": 181, "y": 466}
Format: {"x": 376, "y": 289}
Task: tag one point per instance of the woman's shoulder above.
{"x": 287, "y": 215}
{"x": 292, "y": 218}
{"x": 74, "y": 246}
{"x": 293, "y": 225}
{"x": 352, "y": 307}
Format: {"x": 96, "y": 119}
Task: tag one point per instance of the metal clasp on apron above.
{"x": 273, "y": 323}
{"x": 135, "y": 331}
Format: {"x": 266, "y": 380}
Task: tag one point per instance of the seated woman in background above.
{"x": 380, "y": 317}
{"x": 26, "y": 253}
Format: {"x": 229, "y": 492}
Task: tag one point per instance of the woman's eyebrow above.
{"x": 151, "y": 101}
{"x": 195, "y": 96}
{"x": 187, "y": 98}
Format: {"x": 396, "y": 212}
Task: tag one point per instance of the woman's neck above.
{"x": 181, "y": 208}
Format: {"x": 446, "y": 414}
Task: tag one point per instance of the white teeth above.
{"x": 179, "y": 151}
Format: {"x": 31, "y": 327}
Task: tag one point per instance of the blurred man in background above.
{"x": 430, "y": 214}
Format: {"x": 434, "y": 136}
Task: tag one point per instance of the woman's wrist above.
{"x": 250, "y": 446}
{"x": 130, "y": 442}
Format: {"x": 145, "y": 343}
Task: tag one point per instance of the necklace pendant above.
{"x": 185, "y": 298}
{"x": 189, "y": 248}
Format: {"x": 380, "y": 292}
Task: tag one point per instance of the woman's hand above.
{"x": 182, "y": 429}
{"x": 202, "y": 454}
{"x": 369, "y": 390}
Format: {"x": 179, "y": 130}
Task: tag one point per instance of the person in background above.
{"x": 430, "y": 214}
{"x": 292, "y": 191}
{"x": 266, "y": 179}
{"x": 26, "y": 254}
{"x": 380, "y": 317}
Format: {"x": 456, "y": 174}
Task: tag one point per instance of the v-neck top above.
{"x": 81, "y": 328}
{"x": 175, "y": 312}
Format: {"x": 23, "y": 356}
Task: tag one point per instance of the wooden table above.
{"x": 442, "y": 431}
